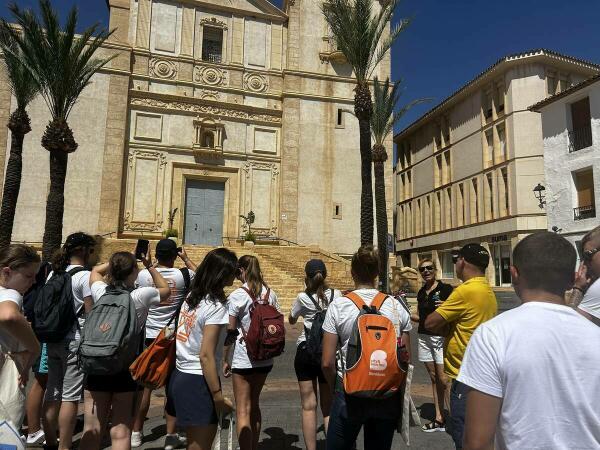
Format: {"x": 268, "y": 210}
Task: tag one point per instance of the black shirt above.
{"x": 427, "y": 303}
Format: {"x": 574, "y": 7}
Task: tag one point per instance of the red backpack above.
{"x": 265, "y": 337}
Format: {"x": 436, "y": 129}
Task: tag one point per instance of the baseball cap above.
{"x": 475, "y": 254}
{"x": 314, "y": 266}
{"x": 166, "y": 248}
{"x": 79, "y": 239}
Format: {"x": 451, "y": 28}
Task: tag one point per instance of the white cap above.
{"x": 591, "y": 300}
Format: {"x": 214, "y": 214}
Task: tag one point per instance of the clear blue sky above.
{"x": 450, "y": 41}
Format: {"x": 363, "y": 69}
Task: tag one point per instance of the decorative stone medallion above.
{"x": 162, "y": 68}
{"x": 213, "y": 76}
{"x": 256, "y": 82}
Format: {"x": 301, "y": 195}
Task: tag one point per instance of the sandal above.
{"x": 433, "y": 427}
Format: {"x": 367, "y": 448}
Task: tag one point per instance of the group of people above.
{"x": 528, "y": 378}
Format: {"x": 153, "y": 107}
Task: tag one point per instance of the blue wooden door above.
{"x": 204, "y": 206}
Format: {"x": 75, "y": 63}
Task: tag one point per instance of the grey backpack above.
{"x": 110, "y": 342}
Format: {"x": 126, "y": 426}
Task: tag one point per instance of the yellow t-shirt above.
{"x": 469, "y": 305}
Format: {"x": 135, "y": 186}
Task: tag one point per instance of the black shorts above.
{"x": 120, "y": 382}
{"x": 252, "y": 370}
{"x": 306, "y": 368}
{"x": 192, "y": 400}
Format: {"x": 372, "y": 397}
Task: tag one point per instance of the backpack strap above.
{"x": 314, "y": 301}
{"x": 378, "y": 300}
{"x": 332, "y": 295}
{"x": 75, "y": 270}
{"x": 267, "y": 296}
{"x": 250, "y": 293}
{"x": 356, "y": 299}
{"x": 186, "y": 278}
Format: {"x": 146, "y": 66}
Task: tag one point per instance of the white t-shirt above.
{"x": 542, "y": 360}
{"x": 238, "y": 305}
{"x": 159, "y": 315}
{"x": 7, "y": 342}
{"x": 591, "y": 300}
{"x": 190, "y": 330}
{"x": 80, "y": 285}
{"x": 304, "y": 307}
{"x": 143, "y": 298}
{"x": 342, "y": 313}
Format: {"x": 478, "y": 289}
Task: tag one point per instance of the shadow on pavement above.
{"x": 279, "y": 440}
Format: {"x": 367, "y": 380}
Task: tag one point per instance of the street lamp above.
{"x": 538, "y": 191}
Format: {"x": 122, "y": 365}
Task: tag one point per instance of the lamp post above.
{"x": 538, "y": 191}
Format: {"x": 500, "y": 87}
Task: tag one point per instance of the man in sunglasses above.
{"x": 586, "y": 289}
{"x": 470, "y": 304}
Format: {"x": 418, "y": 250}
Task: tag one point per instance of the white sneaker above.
{"x": 173, "y": 441}
{"x": 136, "y": 439}
{"x": 36, "y": 438}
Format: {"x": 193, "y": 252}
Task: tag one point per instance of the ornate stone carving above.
{"x": 160, "y": 157}
{"x": 213, "y": 76}
{"x": 256, "y": 82}
{"x": 259, "y": 165}
{"x": 213, "y": 22}
{"x": 207, "y": 94}
{"x": 138, "y": 226}
{"x": 205, "y": 109}
{"x": 162, "y": 68}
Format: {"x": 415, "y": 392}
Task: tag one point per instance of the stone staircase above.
{"x": 283, "y": 267}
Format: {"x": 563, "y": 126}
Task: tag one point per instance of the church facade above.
{"x": 210, "y": 110}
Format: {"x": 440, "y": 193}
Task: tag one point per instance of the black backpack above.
{"x": 53, "y": 308}
{"x": 314, "y": 336}
{"x": 185, "y": 273}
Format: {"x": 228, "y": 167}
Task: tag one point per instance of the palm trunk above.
{"x": 379, "y": 158}
{"x": 19, "y": 125}
{"x": 363, "y": 107}
{"x": 58, "y": 140}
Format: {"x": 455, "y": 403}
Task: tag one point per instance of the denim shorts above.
{"x": 192, "y": 400}
{"x": 455, "y": 425}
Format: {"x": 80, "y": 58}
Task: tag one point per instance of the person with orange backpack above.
{"x": 256, "y": 326}
{"x": 372, "y": 331}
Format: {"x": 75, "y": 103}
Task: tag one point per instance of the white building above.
{"x": 571, "y": 131}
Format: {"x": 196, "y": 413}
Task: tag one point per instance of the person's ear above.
{"x": 514, "y": 274}
{"x": 5, "y": 272}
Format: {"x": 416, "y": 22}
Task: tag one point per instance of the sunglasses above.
{"x": 426, "y": 268}
{"x": 455, "y": 258}
{"x": 589, "y": 254}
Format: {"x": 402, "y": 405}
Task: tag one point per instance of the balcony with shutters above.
{"x": 580, "y": 138}
{"x": 584, "y": 212}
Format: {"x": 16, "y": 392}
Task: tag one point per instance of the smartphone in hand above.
{"x": 141, "y": 249}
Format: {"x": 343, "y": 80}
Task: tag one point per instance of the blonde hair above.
{"x": 254, "y": 277}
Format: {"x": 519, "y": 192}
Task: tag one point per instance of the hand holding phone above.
{"x": 141, "y": 249}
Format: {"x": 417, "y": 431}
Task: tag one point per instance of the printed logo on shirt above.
{"x": 378, "y": 361}
{"x": 187, "y": 321}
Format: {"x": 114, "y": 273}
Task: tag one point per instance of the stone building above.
{"x": 571, "y": 131}
{"x": 467, "y": 168}
{"x": 215, "y": 108}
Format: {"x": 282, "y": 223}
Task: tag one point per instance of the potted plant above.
{"x": 172, "y": 233}
{"x": 249, "y": 237}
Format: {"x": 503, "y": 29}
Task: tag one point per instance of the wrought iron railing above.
{"x": 584, "y": 212}
{"x": 580, "y": 138}
{"x": 212, "y": 57}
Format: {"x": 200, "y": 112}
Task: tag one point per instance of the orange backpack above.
{"x": 372, "y": 366}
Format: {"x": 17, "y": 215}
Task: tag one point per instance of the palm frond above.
{"x": 385, "y": 101}
{"x": 360, "y": 34}
{"x": 22, "y": 83}
{"x": 61, "y": 62}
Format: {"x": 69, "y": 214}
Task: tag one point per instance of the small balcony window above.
{"x": 212, "y": 44}
{"x": 580, "y": 136}
{"x": 585, "y": 207}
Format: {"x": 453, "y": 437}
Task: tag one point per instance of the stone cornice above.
{"x": 194, "y": 106}
{"x": 277, "y": 16}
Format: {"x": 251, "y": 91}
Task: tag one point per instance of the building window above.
{"x": 447, "y": 264}
{"x": 504, "y": 192}
{"x": 339, "y": 123}
{"x": 487, "y": 105}
{"x": 208, "y": 139}
{"x": 400, "y": 223}
{"x": 427, "y": 216}
{"x": 337, "y": 211}
{"x": 551, "y": 83}
{"x": 212, "y": 44}
{"x": 488, "y": 156}
{"x": 460, "y": 206}
{"x": 446, "y": 172}
{"x": 446, "y": 131}
{"x": 437, "y": 214}
{"x": 408, "y": 228}
{"x": 418, "y": 219}
{"x": 580, "y": 136}
{"x": 489, "y": 197}
{"x": 499, "y": 98}
{"x": 408, "y": 186}
{"x": 474, "y": 199}
{"x": 585, "y": 201}
{"x": 448, "y": 208}
{"x": 502, "y": 155}
{"x": 209, "y": 136}
{"x": 437, "y": 174}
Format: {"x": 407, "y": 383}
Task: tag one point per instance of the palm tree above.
{"x": 361, "y": 36}
{"x": 62, "y": 65}
{"x": 383, "y": 119}
{"x": 24, "y": 88}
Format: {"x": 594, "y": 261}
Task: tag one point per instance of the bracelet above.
{"x": 578, "y": 288}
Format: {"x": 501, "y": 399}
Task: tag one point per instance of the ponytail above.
{"x": 60, "y": 260}
{"x": 254, "y": 277}
{"x": 317, "y": 285}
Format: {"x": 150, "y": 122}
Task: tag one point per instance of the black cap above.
{"x": 166, "y": 248}
{"x": 79, "y": 239}
{"x": 475, "y": 254}
{"x": 314, "y": 266}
